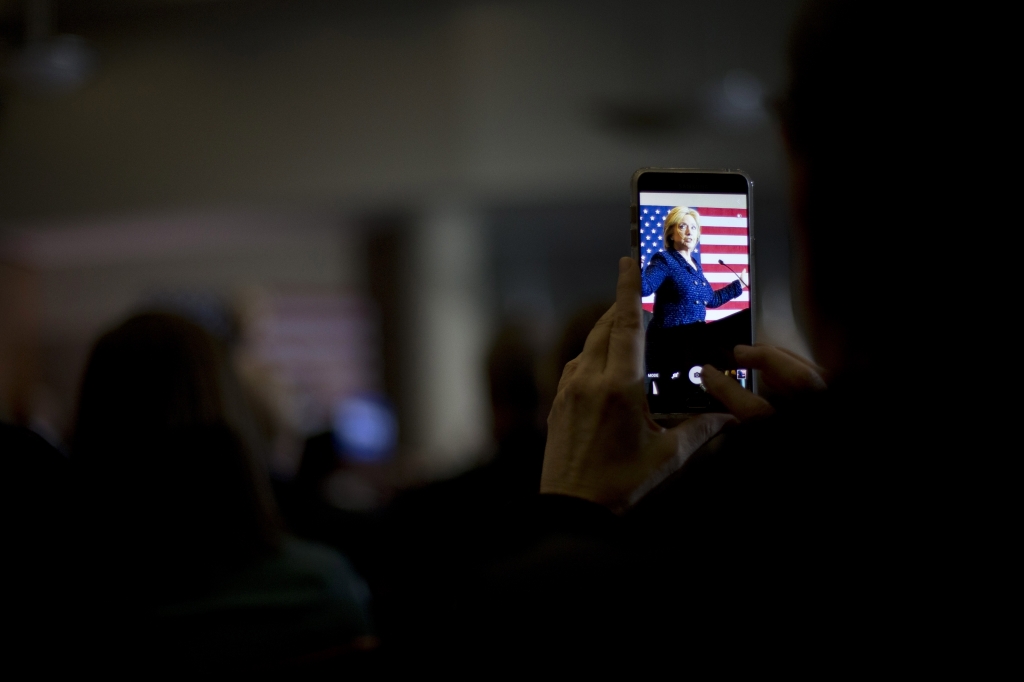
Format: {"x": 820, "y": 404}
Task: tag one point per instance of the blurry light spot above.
{"x": 56, "y": 66}
{"x": 365, "y": 429}
{"x": 738, "y": 100}
{"x": 743, "y": 90}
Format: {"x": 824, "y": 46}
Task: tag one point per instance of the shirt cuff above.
{"x": 566, "y": 514}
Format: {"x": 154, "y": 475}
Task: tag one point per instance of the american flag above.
{"x": 723, "y": 236}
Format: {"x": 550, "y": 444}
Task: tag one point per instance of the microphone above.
{"x": 722, "y": 262}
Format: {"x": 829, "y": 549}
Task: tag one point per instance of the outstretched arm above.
{"x": 654, "y": 274}
{"x": 726, "y": 294}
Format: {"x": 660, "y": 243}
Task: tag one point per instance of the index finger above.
{"x": 782, "y": 370}
{"x": 796, "y": 356}
{"x": 739, "y": 401}
{"x": 626, "y": 342}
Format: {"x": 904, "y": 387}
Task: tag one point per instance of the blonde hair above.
{"x": 672, "y": 220}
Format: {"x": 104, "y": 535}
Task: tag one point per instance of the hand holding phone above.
{"x": 602, "y": 444}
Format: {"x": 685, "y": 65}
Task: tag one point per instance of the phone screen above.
{"x": 694, "y": 252}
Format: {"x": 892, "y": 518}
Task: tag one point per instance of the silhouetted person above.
{"x": 184, "y": 554}
{"x": 309, "y": 512}
{"x": 512, "y": 368}
{"x": 810, "y": 536}
{"x": 442, "y": 538}
{"x": 570, "y": 344}
{"x": 35, "y": 525}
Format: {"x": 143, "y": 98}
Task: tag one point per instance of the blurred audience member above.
{"x": 575, "y": 334}
{"x": 309, "y": 512}
{"x": 34, "y": 488}
{"x": 570, "y": 344}
{"x": 440, "y": 539}
{"x": 515, "y": 396}
{"x": 186, "y": 556}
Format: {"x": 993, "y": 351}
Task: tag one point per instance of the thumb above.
{"x": 676, "y": 445}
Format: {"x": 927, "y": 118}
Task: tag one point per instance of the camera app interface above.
{"x": 695, "y": 262}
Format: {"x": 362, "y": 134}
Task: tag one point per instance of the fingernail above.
{"x": 624, "y": 264}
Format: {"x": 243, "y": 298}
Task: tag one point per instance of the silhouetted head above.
{"x": 574, "y": 335}
{"x": 161, "y": 446}
{"x": 570, "y": 344}
{"x": 512, "y": 377}
{"x": 853, "y": 117}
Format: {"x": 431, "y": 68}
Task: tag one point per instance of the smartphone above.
{"x": 691, "y": 233}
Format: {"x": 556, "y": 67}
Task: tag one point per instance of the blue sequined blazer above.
{"x": 683, "y": 294}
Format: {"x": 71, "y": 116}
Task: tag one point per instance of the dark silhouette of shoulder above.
{"x": 34, "y": 488}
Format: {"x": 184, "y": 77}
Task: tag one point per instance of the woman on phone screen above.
{"x": 675, "y": 275}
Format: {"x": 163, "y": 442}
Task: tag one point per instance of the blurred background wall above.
{"x": 358, "y": 195}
